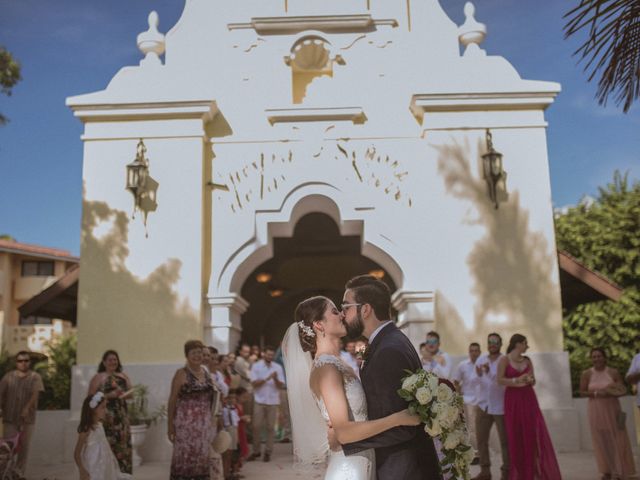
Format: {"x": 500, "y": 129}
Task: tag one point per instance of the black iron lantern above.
{"x": 137, "y": 174}
{"x": 492, "y": 168}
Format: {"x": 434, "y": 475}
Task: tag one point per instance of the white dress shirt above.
{"x": 490, "y": 393}
{"x": 635, "y": 368}
{"x": 433, "y": 366}
{"x": 465, "y": 375}
{"x": 267, "y": 393}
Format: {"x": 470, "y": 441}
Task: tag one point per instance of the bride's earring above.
{"x": 323, "y": 334}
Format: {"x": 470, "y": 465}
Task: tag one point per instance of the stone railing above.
{"x": 34, "y": 337}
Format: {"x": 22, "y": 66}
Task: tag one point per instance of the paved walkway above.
{"x": 574, "y": 466}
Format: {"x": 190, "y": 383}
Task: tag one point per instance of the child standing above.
{"x": 231, "y": 422}
{"x": 93, "y": 454}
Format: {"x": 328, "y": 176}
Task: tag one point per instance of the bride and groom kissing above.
{"x": 371, "y": 432}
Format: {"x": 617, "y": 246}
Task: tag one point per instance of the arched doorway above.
{"x": 315, "y": 260}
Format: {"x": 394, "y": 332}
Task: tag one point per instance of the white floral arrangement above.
{"x": 441, "y": 409}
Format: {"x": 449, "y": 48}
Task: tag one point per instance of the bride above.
{"x": 323, "y": 390}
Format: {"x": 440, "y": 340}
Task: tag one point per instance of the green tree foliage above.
{"x": 612, "y": 47}
{"x": 605, "y": 236}
{"x": 9, "y": 75}
{"x": 56, "y": 373}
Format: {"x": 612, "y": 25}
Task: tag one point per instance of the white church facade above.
{"x": 292, "y": 144}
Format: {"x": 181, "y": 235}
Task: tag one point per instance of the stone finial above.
{"x": 151, "y": 42}
{"x": 472, "y": 33}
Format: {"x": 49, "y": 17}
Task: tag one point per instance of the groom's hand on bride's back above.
{"x": 332, "y": 438}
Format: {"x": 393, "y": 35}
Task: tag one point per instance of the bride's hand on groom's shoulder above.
{"x": 406, "y": 419}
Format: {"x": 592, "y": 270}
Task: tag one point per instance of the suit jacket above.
{"x": 401, "y": 452}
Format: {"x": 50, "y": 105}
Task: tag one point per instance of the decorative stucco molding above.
{"x": 306, "y": 114}
{"x": 322, "y": 23}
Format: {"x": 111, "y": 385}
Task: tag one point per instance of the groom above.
{"x": 402, "y": 452}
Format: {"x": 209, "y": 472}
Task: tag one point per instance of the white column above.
{"x": 416, "y": 313}
{"x": 224, "y": 326}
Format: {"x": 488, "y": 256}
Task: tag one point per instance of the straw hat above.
{"x": 222, "y": 442}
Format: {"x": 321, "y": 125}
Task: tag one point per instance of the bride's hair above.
{"x": 309, "y": 311}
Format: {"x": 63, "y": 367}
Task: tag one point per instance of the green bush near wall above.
{"x": 56, "y": 373}
{"x": 605, "y": 236}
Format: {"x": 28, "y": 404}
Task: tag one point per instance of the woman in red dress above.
{"x": 530, "y": 447}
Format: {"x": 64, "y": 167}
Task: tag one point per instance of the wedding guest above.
{"x": 267, "y": 378}
{"x": 467, "y": 383}
{"x": 231, "y": 377}
{"x": 611, "y": 446}
{"x": 93, "y": 455}
{"x": 284, "y": 415}
{"x": 116, "y": 386}
{"x": 216, "y": 374}
{"x": 189, "y": 416}
{"x": 490, "y": 408}
{"x": 530, "y": 448}
{"x": 19, "y": 391}
{"x": 256, "y": 354}
{"x": 434, "y": 359}
{"x": 349, "y": 356}
{"x": 231, "y": 422}
{"x": 243, "y": 368}
{"x": 633, "y": 376}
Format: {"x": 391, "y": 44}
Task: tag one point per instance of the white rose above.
{"x": 469, "y": 455}
{"x": 409, "y": 383}
{"x": 444, "y": 393}
{"x": 446, "y": 416}
{"x": 432, "y": 383}
{"x": 423, "y": 395}
{"x": 434, "y": 431}
{"x": 452, "y": 440}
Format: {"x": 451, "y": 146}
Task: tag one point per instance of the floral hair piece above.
{"x": 96, "y": 400}
{"x": 306, "y": 329}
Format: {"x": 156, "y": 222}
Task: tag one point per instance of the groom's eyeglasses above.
{"x": 346, "y": 306}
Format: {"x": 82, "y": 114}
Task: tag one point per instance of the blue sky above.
{"x": 69, "y": 47}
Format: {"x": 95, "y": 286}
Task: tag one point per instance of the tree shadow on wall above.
{"x": 512, "y": 265}
{"x": 119, "y": 307}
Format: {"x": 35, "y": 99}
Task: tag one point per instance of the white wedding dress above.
{"x": 354, "y": 467}
{"x": 98, "y": 459}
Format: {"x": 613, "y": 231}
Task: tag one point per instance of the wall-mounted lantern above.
{"x": 494, "y": 174}
{"x": 143, "y": 188}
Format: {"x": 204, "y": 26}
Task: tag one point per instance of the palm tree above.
{"x": 613, "y": 46}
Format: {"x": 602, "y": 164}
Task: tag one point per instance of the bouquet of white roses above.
{"x": 441, "y": 409}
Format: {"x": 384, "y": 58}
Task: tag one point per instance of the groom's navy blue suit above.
{"x": 405, "y": 453}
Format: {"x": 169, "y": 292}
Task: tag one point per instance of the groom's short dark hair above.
{"x": 368, "y": 289}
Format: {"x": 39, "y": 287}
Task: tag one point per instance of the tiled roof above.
{"x": 36, "y": 250}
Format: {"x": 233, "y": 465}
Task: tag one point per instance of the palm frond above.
{"x": 612, "y": 48}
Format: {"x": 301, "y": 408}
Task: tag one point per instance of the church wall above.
{"x": 133, "y": 286}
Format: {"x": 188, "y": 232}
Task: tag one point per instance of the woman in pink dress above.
{"x": 611, "y": 444}
{"x": 530, "y": 448}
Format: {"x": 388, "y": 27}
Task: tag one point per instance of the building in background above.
{"x": 26, "y": 271}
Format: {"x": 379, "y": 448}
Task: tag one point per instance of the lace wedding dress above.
{"x": 98, "y": 459}
{"x": 354, "y": 467}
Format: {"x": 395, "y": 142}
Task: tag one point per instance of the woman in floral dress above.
{"x": 189, "y": 417}
{"x": 115, "y": 384}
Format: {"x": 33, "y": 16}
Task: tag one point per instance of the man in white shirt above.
{"x": 433, "y": 358}
{"x": 349, "y": 357}
{"x": 490, "y": 408}
{"x": 267, "y": 378}
{"x": 467, "y": 382}
{"x": 633, "y": 376}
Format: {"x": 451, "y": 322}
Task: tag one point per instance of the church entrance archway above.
{"x": 315, "y": 260}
